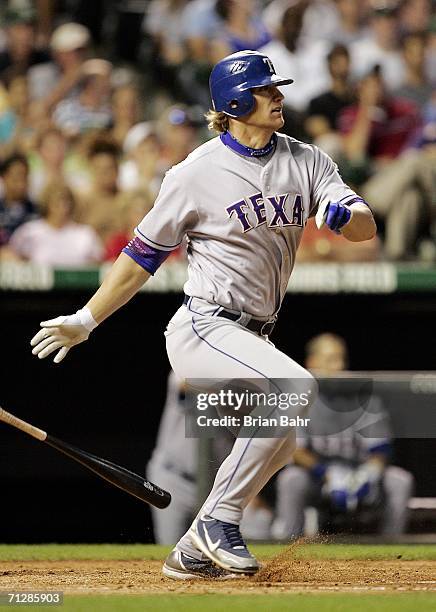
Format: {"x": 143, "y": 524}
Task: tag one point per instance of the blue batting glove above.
{"x": 336, "y": 216}
{"x": 339, "y": 499}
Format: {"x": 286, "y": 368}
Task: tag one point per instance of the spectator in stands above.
{"x": 320, "y": 21}
{"x": 342, "y": 461}
{"x": 20, "y": 53}
{"x": 177, "y": 133}
{"x": 55, "y": 239}
{"x": 162, "y": 23}
{"x": 47, "y": 161}
{"x": 200, "y": 24}
{"x": 90, "y": 108}
{"x": 416, "y": 85}
{"x": 55, "y": 80}
{"x": 350, "y": 22}
{"x": 141, "y": 168}
{"x": 15, "y": 205}
{"x": 376, "y": 131}
{"x": 18, "y": 120}
{"x": 381, "y": 47}
{"x": 383, "y": 113}
{"x": 125, "y": 108}
{"x": 415, "y": 16}
{"x": 431, "y": 51}
{"x": 98, "y": 207}
{"x": 134, "y": 205}
{"x": 324, "y": 110}
{"x": 307, "y": 66}
{"x": 324, "y": 245}
{"x": 242, "y": 28}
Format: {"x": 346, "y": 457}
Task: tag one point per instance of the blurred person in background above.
{"x": 142, "y": 149}
{"x": 55, "y": 239}
{"x": 341, "y": 464}
{"x": 431, "y": 50}
{"x": 426, "y": 146}
{"x": 58, "y": 79}
{"x": 381, "y": 47}
{"x": 320, "y": 21}
{"x": 47, "y": 160}
{"x": 89, "y": 108}
{"x": 414, "y": 16}
{"x": 98, "y": 207}
{"x": 319, "y": 245}
{"x": 176, "y": 130}
{"x": 15, "y": 205}
{"x": 175, "y": 463}
{"x": 21, "y": 52}
{"x": 125, "y": 110}
{"x": 201, "y": 24}
{"x": 350, "y": 28}
{"x": 307, "y": 66}
{"x": 242, "y": 28}
{"x": 132, "y": 208}
{"x": 376, "y": 131}
{"x": 19, "y": 120}
{"x": 162, "y": 22}
{"x": 323, "y": 110}
{"x": 416, "y": 85}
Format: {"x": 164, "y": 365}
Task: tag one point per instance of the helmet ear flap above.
{"x": 240, "y": 106}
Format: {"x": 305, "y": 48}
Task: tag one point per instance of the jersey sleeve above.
{"x": 173, "y": 214}
{"x": 327, "y": 184}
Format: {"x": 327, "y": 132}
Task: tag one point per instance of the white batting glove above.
{"x": 63, "y": 333}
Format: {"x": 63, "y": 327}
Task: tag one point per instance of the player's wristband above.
{"x": 86, "y": 319}
{"x": 319, "y": 470}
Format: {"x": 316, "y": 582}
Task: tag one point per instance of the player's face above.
{"x": 268, "y": 111}
{"x": 329, "y": 358}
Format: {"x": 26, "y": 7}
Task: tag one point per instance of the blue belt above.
{"x": 263, "y": 328}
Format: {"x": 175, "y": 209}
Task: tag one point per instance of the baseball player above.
{"x": 174, "y": 465}
{"x": 342, "y": 460}
{"x": 242, "y": 200}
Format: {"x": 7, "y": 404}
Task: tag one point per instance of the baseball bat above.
{"x": 115, "y": 474}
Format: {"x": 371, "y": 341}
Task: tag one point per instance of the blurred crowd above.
{"x": 98, "y": 99}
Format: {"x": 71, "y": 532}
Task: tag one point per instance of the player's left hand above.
{"x": 62, "y": 333}
{"x": 334, "y": 214}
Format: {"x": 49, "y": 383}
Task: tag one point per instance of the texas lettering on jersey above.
{"x": 284, "y": 212}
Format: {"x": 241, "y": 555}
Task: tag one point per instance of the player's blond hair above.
{"x": 217, "y": 121}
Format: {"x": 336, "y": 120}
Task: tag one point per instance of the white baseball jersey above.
{"x": 339, "y": 428}
{"x": 243, "y": 217}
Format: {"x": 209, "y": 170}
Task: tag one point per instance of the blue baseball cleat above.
{"x": 223, "y": 544}
{"x": 183, "y": 567}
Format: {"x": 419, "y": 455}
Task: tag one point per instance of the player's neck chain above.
{"x": 231, "y": 142}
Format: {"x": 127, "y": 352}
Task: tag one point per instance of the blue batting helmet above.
{"x": 234, "y": 76}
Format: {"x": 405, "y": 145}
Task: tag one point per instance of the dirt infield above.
{"x": 282, "y": 574}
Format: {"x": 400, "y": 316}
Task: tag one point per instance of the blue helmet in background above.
{"x": 234, "y": 76}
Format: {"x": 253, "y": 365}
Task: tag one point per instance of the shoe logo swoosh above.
{"x": 212, "y": 545}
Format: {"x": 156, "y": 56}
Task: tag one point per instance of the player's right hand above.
{"x": 62, "y": 333}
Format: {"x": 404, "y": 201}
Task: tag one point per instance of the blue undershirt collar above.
{"x": 231, "y": 142}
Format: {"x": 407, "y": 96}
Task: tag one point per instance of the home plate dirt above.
{"x": 283, "y": 573}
